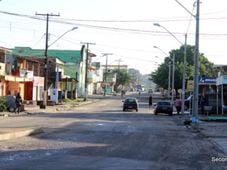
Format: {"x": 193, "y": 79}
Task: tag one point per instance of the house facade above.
{"x": 110, "y": 77}
{"x": 20, "y": 74}
{"x": 66, "y": 71}
{"x": 22, "y": 70}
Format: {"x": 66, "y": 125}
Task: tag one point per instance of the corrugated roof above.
{"x": 67, "y": 56}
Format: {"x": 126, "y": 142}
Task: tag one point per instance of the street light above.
{"x": 184, "y": 68}
{"x": 62, "y": 35}
{"x": 46, "y": 63}
{"x": 196, "y": 61}
{"x": 158, "y": 25}
{"x": 169, "y": 69}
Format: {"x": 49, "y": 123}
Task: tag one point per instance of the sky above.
{"x": 123, "y": 28}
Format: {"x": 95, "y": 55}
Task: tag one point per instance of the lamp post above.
{"x": 184, "y": 67}
{"x": 72, "y": 29}
{"x": 46, "y": 62}
{"x": 169, "y": 70}
{"x": 57, "y": 74}
{"x": 196, "y": 61}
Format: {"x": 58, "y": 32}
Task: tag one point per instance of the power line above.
{"x": 138, "y": 31}
{"x": 132, "y": 58}
{"x": 39, "y": 40}
{"x": 190, "y": 20}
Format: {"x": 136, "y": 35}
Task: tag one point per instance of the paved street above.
{"x": 101, "y": 136}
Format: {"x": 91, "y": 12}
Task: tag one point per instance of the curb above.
{"x": 19, "y": 132}
{"x": 50, "y": 109}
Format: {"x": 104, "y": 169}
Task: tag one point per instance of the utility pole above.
{"x": 184, "y": 75}
{"x": 105, "y": 77}
{"x": 169, "y": 66}
{"x": 169, "y": 79}
{"x": 196, "y": 69}
{"x": 173, "y": 74}
{"x": 119, "y": 62}
{"x": 44, "y": 104}
{"x": 196, "y": 61}
{"x": 86, "y": 68}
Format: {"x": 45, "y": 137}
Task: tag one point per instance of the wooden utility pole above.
{"x": 105, "y": 77}
{"x": 44, "y": 104}
{"x": 119, "y": 63}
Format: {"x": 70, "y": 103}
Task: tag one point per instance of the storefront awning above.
{"x": 17, "y": 79}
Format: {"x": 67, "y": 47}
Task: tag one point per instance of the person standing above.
{"x": 150, "y": 101}
{"x": 178, "y": 105}
{"x": 202, "y": 104}
{"x": 18, "y": 102}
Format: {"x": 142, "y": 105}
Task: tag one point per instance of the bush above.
{"x": 3, "y": 104}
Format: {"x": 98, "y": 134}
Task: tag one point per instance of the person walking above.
{"x": 18, "y": 102}
{"x": 150, "y": 101}
{"x": 178, "y": 105}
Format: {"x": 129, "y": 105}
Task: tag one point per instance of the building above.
{"x": 110, "y": 77}
{"x": 222, "y": 90}
{"x": 71, "y": 78}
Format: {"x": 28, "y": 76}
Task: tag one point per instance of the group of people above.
{"x": 202, "y": 103}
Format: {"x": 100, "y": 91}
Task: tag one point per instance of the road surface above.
{"x": 102, "y": 136}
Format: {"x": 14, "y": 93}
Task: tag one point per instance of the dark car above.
{"x": 163, "y": 107}
{"x": 10, "y": 103}
{"x": 130, "y": 104}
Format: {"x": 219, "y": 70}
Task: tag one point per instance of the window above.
{"x": 29, "y": 65}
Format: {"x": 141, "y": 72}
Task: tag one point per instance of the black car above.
{"x": 163, "y": 107}
{"x": 130, "y": 104}
{"x": 10, "y": 103}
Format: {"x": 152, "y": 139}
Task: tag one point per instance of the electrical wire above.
{"x": 190, "y": 20}
{"x": 138, "y": 31}
{"x": 39, "y": 40}
{"x": 132, "y": 58}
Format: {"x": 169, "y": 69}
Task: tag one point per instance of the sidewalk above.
{"x": 216, "y": 131}
{"x": 10, "y": 132}
{"x": 212, "y": 128}
{"x": 35, "y": 109}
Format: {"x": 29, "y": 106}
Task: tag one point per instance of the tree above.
{"x": 160, "y": 76}
{"x": 122, "y": 79}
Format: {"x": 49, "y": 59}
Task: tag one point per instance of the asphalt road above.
{"x": 102, "y": 136}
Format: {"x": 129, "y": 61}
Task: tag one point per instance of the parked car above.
{"x": 10, "y": 103}
{"x": 163, "y": 107}
{"x": 130, "y": 104}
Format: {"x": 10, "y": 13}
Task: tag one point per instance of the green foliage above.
{"x": 123, "y": 78}
{"x": 160, "y": 76}
{"x": 3, "y": 106}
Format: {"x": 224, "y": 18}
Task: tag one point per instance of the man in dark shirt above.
{"x": 18, "y": 103}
